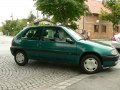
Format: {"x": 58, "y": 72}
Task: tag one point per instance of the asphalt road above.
{"x": 106, "y": 80}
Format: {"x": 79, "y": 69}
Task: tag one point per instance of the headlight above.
{"x": 114, "y": 52}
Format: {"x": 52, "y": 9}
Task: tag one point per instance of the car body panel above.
{"x": 62, "y": 52}
{"x": 56, "y": 51}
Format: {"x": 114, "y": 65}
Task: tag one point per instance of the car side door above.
{"x": 30, "y": 42}
{"x": 54, "y": 46}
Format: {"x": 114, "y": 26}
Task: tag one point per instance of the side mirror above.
{"x": 69, "y": 40}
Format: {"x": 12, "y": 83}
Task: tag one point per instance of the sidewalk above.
{"x": 5, "y": 39}
{"x": 106, "y": 80}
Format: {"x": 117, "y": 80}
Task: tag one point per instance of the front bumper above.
{"x": 109, "y": 61}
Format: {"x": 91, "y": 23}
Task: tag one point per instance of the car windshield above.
{"x": 74, "y": 34}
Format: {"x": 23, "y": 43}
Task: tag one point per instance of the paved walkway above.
{"x": 39, "y": 76}
{"x": 106, "y": 80}
{"x": 6, "y": 39}
{"x": 34, "y": 76}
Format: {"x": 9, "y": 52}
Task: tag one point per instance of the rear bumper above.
{"x": 109, "y": 61}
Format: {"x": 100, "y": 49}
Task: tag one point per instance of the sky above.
{"x": 17, "y": 8}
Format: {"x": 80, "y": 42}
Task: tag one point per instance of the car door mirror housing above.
{"x": 69, "y": 40}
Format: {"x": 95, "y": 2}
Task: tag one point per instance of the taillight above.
{"x": 113, "y": 38}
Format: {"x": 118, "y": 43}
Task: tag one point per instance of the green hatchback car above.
{"x": 60, "y": 44}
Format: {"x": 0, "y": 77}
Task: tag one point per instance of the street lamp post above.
{"x": 83, "y": 21}
{"x": 114, "y": 27}
{"x": 97, "y": 21}
{"x": 28, "y": 23}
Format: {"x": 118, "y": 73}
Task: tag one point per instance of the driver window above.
{"x": 55, "y": 34}
{"x": 48, "y": 35}
{"x": 62, "y": 36}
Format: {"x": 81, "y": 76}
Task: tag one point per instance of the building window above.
{"x": 96, "y": 28}
{"x": 103, "y": 28}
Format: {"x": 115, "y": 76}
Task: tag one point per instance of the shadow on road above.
{"x": 35, "y": 64}
{"x": 59, "y": 67}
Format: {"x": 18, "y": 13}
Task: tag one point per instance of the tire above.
{"x": 91, "y": 64}
{"x": 21, "y": 58}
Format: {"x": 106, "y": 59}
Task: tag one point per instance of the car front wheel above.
{"x": 21, "y": 58}
{"x": 91, "y": 64}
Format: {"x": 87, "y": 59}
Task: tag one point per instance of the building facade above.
{"x": 91, "y": 22}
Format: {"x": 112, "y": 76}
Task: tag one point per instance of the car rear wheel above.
{"x": 91, "y": 64}
{"x": 21, "y": 58}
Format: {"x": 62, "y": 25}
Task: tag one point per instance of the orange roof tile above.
{"x": 96, "y": 6}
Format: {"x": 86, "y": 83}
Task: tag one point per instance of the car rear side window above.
{"x": 33, "y": 34}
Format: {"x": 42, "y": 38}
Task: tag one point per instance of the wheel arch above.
{"x": 16, "y": 50}
{"x": 18, "y": 53}
{"x": 94, "y": 53}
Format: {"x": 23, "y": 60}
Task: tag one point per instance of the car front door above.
{"x": 54, "y": 47}
{"x": 30, "y": 42}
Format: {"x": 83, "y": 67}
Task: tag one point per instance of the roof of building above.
{"x": 96, "y": 6}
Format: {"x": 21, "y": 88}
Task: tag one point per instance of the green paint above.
{"x": 42, "y": 45}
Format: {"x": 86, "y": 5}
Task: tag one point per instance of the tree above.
{"x": 63, "y": 11}
{"x": 31, "y": 17}
{"x": 21, "y": 23}
{"x": 9, "y": 26}
{"x": 12, "y": 27}
{"x": 114, "y": 14}
{"x": 0, "y": 29}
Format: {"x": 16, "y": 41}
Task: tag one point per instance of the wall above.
{"x": 87, "y": 23}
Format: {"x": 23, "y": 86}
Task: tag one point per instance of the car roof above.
{"x": 44, "y": 26}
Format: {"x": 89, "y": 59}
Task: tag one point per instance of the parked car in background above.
{"x": 60, "y": 44}
{"x": 116, "y": 41}
{"x": 85, "y": 34}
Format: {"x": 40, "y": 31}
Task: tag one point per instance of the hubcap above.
{"x": 90, "y": 64}
{"x": 20, "y": 58}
